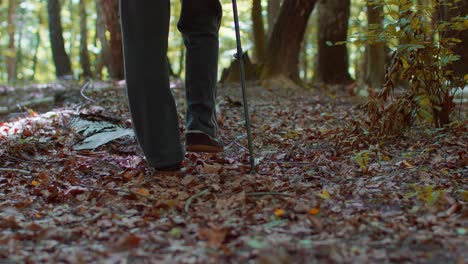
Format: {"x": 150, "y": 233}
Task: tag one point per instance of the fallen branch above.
{"x": 114, "y": 189}
{"x": 190, "y": 200}
{"x": 85, "y": 86}
{"x": 15, "y": 170}
{"x": 50, "y": 100}
{"x": 268, "y": 160}
{"x": 268, "y": 193}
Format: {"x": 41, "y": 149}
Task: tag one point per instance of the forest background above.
{"x": 359, "y": 128}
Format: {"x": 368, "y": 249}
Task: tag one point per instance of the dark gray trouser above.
{"x": 145, "y": 27}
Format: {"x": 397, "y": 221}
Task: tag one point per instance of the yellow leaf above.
{"x": 32, "y": 112}
{"x": 465, "y": 78}
{"x": 408, "y": 165}
{"x": 464, "y": 195}
{"x": 35, "y": 183}
{"x": 279, "y": 212}
{"x": 386, "y": 158}
{"x": 143, "y": 192}
{"x": 324, "y": 195}
{"x": 314, "y": 211}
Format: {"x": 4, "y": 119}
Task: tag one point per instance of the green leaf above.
{"x": 103, "y": 138}
{"x": 275, "y": 223}
{"x": 256, "y": 244}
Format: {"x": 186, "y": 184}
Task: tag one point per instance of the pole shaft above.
{"x": 240, "y": 56}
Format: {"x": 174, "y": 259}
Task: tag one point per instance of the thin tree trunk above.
{"x": 11, "y": 59}
{"x": 332, "y": 60}
{"x": 305, "y": 62}
{"x": 84, "y": 54}
{"x": 284, "y": 44}
{"x": 105, "y": 56}
{"x": 258, "y": 32}
{"x": 181, "y": 58}
{"x": 19, "y": 48}
{"x": 111, "y": 10}
{"x": 36, "y": 53}
{"x": 72, "y": 39}
{"x": 60, "y": 57}
{"x": 375, "y": 52}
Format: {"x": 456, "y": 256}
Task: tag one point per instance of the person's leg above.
{"x": 145, "y": 27}
{"x": 199, "y": 24}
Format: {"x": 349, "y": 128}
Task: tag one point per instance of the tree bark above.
{"x": 111, "y": 10}
{"x": 11, "y": 59}
{"x": 304, "y": 60}
{"x": 105, "y": 56}
{"x": 375, "y": 52}
{"x": 284, "y": 44}
{"x": 181, "y": 58}
{"x": 458, "y": 8}
{"x": 258, "y": 32}
{"x": 332, "y": 60}
{"x": 273, "y": 11}
{"x": 84, "y": 54}
{"x": 60, "y": 57}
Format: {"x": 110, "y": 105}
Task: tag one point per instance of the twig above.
{"x": 290, "y": 162}
{"x": 190, "y": 200}
{"x": 114, "y": 189}
{"x": 238, "y": 144}
{"x": 15, "y": 170}
{"x": 268, "y": 193}
{"x": 85, "y": 86}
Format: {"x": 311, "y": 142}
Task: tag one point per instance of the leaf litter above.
{"x": 325, "y": 191}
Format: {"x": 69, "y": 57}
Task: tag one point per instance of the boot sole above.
{"x": 203, "y": 148}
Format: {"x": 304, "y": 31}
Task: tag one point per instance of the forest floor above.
{"x": 323, "y": 193}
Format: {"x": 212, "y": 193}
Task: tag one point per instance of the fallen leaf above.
{"x": 210, "y": 169}
{"x": 35, "y": 183}
{"x": 214, "y": 236}
{"x": 324, "y": 195}
{"x": 314, "y": 211}
{"x": 279, "y": 212}
{"x": 128, "y": 242}
{"x": 143, "y": 192}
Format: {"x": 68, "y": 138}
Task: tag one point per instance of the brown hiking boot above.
{"x": 197, "y": 141}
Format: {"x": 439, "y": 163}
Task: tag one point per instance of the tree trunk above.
{"x": 284, "y": 44}
{"x": 458, "y": 8}
{"x": 332, "y": 60}
{"x": 105, "y": 56}
{"x": 111, "y": 10}
{"x": 181, "y": 58}
{"x": 35, "y": 56}
{"x": 273, "y": 11}
{"x": 72, "y": 39}
{"x": 375, "y": 52}
{"x": 19, "y": 48}
{"x": 304, "y": 60}
{"x": 84, "y": 54}
{"x": 61, "y": 59}
{"x": 11, "y": 59}
{"x": 258, "y": 32}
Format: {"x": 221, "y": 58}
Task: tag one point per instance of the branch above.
{"x": 190, "y": 200}
{"x": 15, "y": 170}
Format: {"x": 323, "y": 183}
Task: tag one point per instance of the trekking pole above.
{"x": 240, "y": 57}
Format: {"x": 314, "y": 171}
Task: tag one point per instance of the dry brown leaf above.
{"x": 128, "y": 242}
{"x": 210, "y": 169}
{"x": 214, "y": 235}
